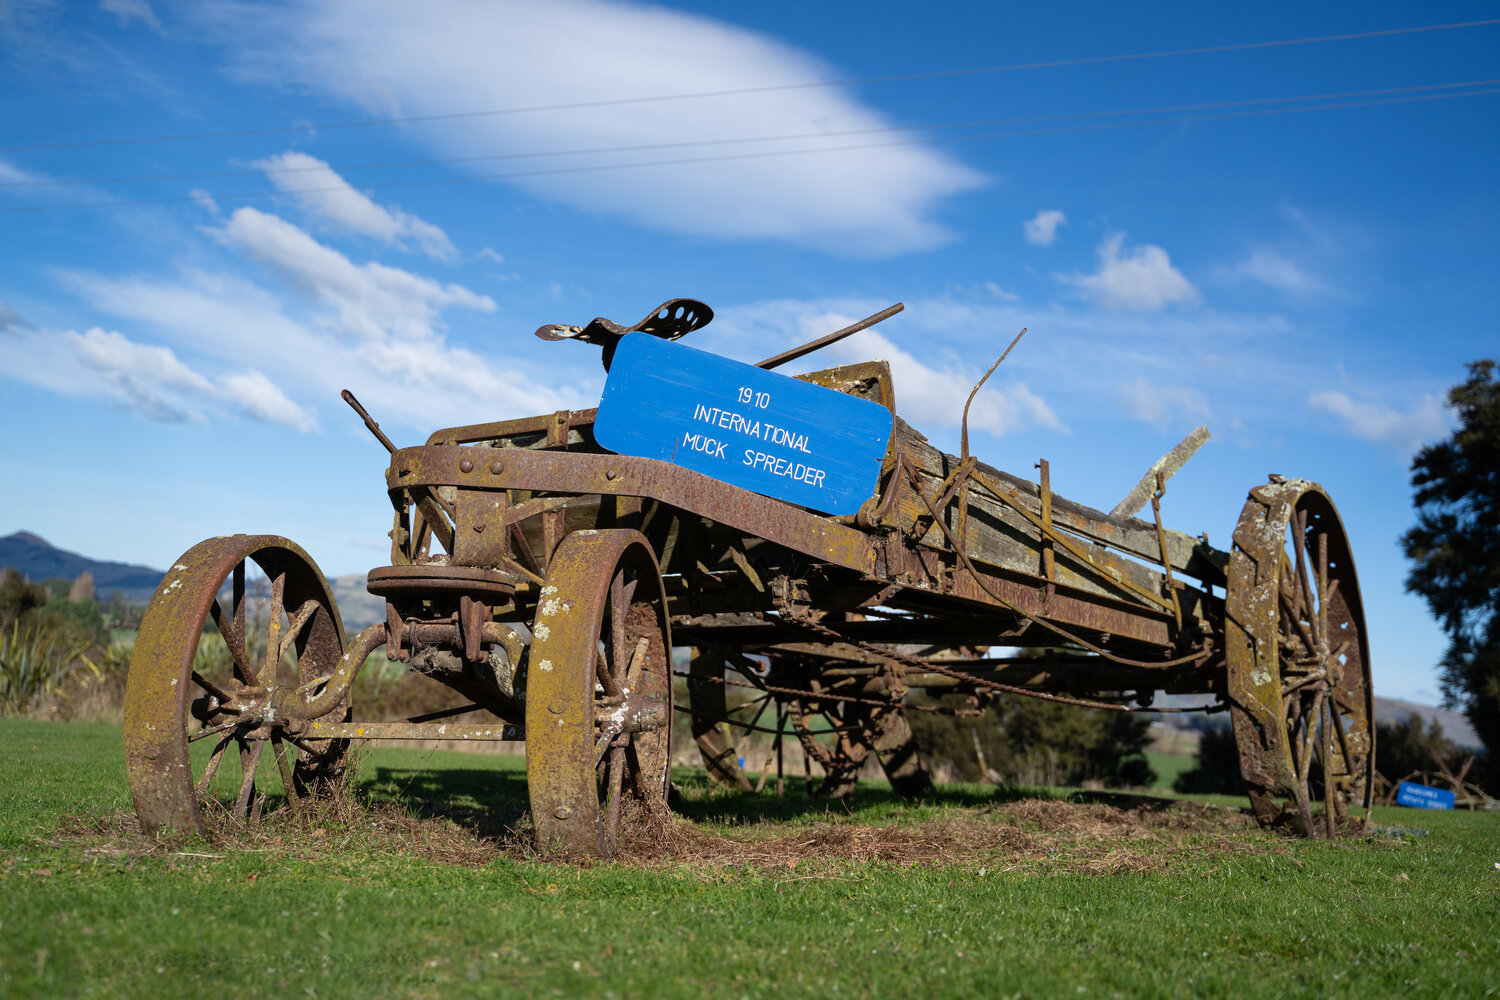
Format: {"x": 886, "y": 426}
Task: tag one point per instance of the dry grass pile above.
{"x": 1031, "y": 835}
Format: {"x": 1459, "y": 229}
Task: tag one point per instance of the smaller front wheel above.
{"x": 598, "y": 692}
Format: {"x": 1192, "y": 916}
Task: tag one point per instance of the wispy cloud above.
{"x": 322, "y": 322}
{"x": 10, "y": 319}
{"x": 1404, "y": 429}
{"x": 371, "y": 299}
{"x": 1276, "y": 270}
{"x": 330, "y": 199}
{"x": 1141, "y": 279}
{"x": 149, "y": 380}
{"x": 1162, "y": 405}
{"x": 873, "y": 201}
{"x": 127, "y": 11}
{"x": 1041, "y": 230}
{"x": 930, "y": 389}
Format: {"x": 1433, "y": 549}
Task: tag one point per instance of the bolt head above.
{"x": 556, "y": 708}
{"x": 497, "y": 467}
{"x": 562, "y": 812}
{"x": 466, "y": 466}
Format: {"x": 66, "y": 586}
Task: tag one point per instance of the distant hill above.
{"x": 39, "y": 560}
{"x": 1455, "y": 726}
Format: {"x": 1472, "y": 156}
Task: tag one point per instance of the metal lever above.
{"x": 777, "y": 360}
{"x": 369, "y": 422}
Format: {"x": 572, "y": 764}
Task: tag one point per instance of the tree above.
{"x": 1032, "y": 742}
{"x": 1455, "y": 548}
{"x": 1216, "y": 766}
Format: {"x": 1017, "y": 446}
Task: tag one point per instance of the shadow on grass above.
{"x": 488, "y": 803}
{"x": 493, "y": 803}
{"x": 696, "y": 798}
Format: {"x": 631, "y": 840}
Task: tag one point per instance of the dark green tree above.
{"x": 1216, "y": 766}
{"x": 1455, "y": 548}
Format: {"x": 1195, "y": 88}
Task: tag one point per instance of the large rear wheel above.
{"x": 1298, "y": 662}
{"x": 598, "y": 693}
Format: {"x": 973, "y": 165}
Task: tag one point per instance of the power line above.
{"x": 691, "y": 143}
{"x": 588, "y": 168}
{"x": 773, "y": 88}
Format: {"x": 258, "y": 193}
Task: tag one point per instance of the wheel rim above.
{"x": 1298, "y": 661}
{"x": 598, "y": 693}
{"x": 290, "y": 636}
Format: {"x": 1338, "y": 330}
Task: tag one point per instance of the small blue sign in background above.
{"x": 746, "y": 426}
{"x": 1409, "y": 793}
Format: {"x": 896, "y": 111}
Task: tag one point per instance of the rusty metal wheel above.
{"x": 840, "y": 729}
{"x": 1298, "y": 661}
{"x": 598, "y": 692}
{"x": 204, "y": 680}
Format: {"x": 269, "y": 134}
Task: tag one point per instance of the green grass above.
{"x": 1168, "y": 766}
{"x": 1237, "y": 912}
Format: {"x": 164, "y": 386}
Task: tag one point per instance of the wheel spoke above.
{"x": 637, "y": 663}
{"x": 297, "y": 624}
{"x": 212, "y": 767}
{"x": 1302, "y": 626}
{"x": 232, "y": 632}
{"x": 284, "y": 765}
{"x": 203, "y": 734}
{"x": 617, "y": 609}
{"x": 273, "y": 628}
{"x": 249, "y": 762}
{"x": 1324, "y": 593}
{"x": 224, "y": 699}
{"x": 615, "y": 782}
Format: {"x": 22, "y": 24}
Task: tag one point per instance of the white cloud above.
{"x": 1042, "y": 229}
{"x": 1162, "y": 405}
{"x": 394, "y": 57}
{"x": 372, "y": 300}
{"x": 12, "y": 174}
{"x": 327, "y": 196}
{"x": 126, "y": 11}
{"x": 147, "y": 379}
{"x": 368, "y": 327}
{"x": 115, "y": 354}
{"x": 1141, "y": 279}
{"x": 930, "y": 396}
{"x": 204, "y": 200}
{"x": 1277, "y": 271}
{"x": 261, "y": 400}
{"x": 1405, "y": 430}
{"x": 488, "y": 253}
{"x": 1000, "y": 293}
{"x": 930, "y": 390}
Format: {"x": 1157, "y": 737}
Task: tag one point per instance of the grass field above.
{"x": 421, "y": 885}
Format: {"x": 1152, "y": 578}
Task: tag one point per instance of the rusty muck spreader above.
{"x": 809, "y": 548}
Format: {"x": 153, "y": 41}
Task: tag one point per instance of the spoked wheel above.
{"x": 839, "y": 733}
{"x": 1298, "y": 661}
{"x": 598, "y": 692}
{"x": 199, "y": 731}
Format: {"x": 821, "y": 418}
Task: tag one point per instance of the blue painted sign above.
{"x": 1409, "y": 793}
{"x": 746, "y": 426}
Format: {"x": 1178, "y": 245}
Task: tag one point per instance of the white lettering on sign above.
{"x": 795, "y": 441}
{"x": 781, "y": 467}
{"x": 703, "y": 443}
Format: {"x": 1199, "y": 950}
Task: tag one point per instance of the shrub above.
{"x": 1216, "y": 767}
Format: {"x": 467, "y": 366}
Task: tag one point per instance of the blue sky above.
{"x": 1291, "y": 243}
